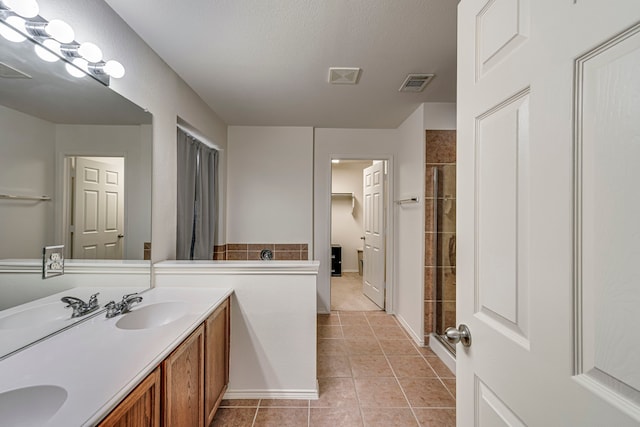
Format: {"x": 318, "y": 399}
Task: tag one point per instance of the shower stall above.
{"x": 444, "y": 249}
{"x": 440, "y": 237}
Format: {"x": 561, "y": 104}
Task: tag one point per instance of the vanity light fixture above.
{"x": 90, "y": 52}
{"x": 114, "y": 69}
{"x": 56, "y": 29}
{"x": 8, "y": 31}
{"x": 57, "y": 40}
{"x": 81, "y": 68}
{"x": 47, "y": 54}
{"x": 24, "y": 8}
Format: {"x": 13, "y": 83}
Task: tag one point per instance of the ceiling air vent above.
{"x": 8, "y": 72}
{"x": 343, "y": 76}
{"x": 416, "y": 82}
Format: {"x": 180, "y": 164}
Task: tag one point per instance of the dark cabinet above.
{"x": 336, "y": 260}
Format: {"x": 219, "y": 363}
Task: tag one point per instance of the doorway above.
{"x": 95, "y": 199}
{"x": 358, "y": 238}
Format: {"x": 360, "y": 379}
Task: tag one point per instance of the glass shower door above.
{"x": 444, "y": 214}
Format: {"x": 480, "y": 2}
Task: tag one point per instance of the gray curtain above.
{"x": 197, "y": 198}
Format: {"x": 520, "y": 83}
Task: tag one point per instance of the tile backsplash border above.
{"x": 251, "y": 251}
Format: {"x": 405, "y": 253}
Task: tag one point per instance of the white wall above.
{"x": 150, "y": 83}
{"x": 134, "y": 144}
{"x": 330, "y": 144}
{"x": 269, "y": 184}
{"x": 347, "y": 224}
{"x": 273, "y": 323}
{"x": 26, "y": 168}
{"x": 440, "y": 115}
{"x": 410, "y": 181}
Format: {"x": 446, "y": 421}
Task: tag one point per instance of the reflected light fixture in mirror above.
{"x": 24, "y": 8}
{"x": 19, "y": 20}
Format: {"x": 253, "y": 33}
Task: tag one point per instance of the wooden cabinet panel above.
{"x": 183, "y": 381}
{"x": 190, "y": 382}
{"x": 141, "y": 408}
{"x": 216, "y": 368}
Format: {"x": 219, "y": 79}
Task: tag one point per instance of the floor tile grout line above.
{"x": 398, "y": 382}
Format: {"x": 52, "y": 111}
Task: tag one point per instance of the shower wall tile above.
{"x": 447, "y": 279}
{"x": 429, "y": 279}
{"x": 446, "y": 180}
{"x": 237, "y": 247}
{"x": 429, "y": 260}
{"x": 251, "y": 251}
{"x": 260, "y": 246}
{"x": 237, "y": 255}
{"x": 146, "y": 251}
{"x": 440, "y": 146}
{"x": 439, "y": 275}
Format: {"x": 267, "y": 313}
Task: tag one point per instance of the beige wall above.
{"x": 270, "y": 184}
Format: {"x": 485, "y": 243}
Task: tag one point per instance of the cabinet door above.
{"x": 216, "y": 359}
{"x": 141, "y": 408}
{"x": 184, "y": 383}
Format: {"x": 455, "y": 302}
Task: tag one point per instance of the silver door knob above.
{"x": 462, "y": 334}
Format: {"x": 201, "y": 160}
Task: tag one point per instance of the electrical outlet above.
{"x": 52, "y": 261}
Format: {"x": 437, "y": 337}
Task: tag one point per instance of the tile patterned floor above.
{"x": 370, "y": 374}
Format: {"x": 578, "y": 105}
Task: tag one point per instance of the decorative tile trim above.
{"x": 251, "y": 251}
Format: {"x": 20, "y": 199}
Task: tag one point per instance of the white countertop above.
{"x": 98, "y": 364}
{"x": 24, "y": 324}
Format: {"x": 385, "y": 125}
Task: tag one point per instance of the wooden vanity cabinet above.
{"x": 216, "y": 369}
{"x": 141, "y": 408}
{"x": 183, "y": 383}
{"x": 187, "y": 388}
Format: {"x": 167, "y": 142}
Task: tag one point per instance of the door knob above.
{"x": 120, "y": 236}
{"x": 462, "y": 334}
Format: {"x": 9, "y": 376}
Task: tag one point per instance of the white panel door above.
{"x": 98, "y": 209}
{"x": 373, "y": 276}
{"x": 548, "y": 207}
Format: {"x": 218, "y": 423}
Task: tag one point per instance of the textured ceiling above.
{"x": 266, "y": 62}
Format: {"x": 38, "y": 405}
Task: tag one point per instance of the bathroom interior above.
{"x": 262, "y": 249}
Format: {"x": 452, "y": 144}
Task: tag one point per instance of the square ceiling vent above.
{"x": 416, "y": 82}
{"x": 343, "y": 76}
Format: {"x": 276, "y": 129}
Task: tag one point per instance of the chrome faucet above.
{"x": 124, "y": 306}
{"x": 80, "y": 308}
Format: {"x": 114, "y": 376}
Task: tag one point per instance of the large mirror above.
{"x": 58, "y": 135}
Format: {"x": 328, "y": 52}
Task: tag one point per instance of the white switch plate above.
{"x": 52, "y": 261}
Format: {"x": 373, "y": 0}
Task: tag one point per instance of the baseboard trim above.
{"x": 273, "y": 394}
{"x": 419, "y": 339}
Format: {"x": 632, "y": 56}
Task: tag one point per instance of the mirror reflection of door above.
{"x": 97, "y": 207}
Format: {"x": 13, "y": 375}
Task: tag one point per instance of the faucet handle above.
{"x": 126, "y": 297}
{"x": 93, "y": 299}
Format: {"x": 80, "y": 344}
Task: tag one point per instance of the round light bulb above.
{"x": 47, "y": 54}
{"x": 114, "y": 69}
{"x": 60, "y": 31}
{"x": 74, "y": 71}
{"x": 10, "y": 33}
{"x": 90, "y": 52}
{"x": 24, "y": 8}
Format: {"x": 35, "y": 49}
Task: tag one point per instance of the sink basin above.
{"x": 31, "y": 406}
{"x": 153, "y": 315}
{"x": 35, "y": 316}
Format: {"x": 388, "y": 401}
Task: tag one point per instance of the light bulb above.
{"x": 114, "y": 69}
{"x": 74, "y": 71}
{"x": 24, "y": 8}
{"x": 90, "y": 52}
{"x": 60, "y": 31}
{"x": 10, "y": 33}
{"x": 47, "y": 55}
